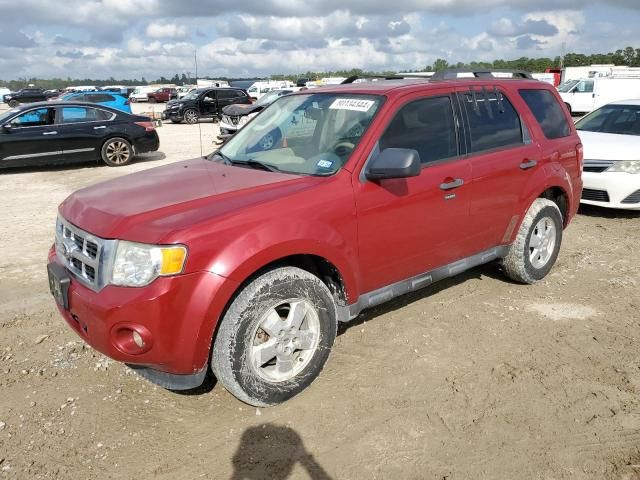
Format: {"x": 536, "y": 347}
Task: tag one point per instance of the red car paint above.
{"x": 163, "y": 95}
{"x": 234, "y": 221}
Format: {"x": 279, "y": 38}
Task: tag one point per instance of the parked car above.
{"x": 203, "y": 103}
{"x": 140, "y": 94}
{"x": 611, "y": 139}
{"x": 113, "y": 100}
{"x": 246, "y": 260}
{"x": 162, "y": 95}
{"x": 50, "y": 133}
{"x": 3, "y": 92}
{"x": 25, "y": 95}
{"x": 237, "y": 115}
{"x": 258, "y": 89}
{"x": 583, "y": 96}
{"x": 182, "y": 91}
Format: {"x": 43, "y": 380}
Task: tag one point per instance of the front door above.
{"x": 411, "y": 225}
{"x": 30, "y": 139}
{"x": 208, "y": 104}
{"x": 583, "y": 96}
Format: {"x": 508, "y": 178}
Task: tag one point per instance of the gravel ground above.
{"x": 474, "y": 377}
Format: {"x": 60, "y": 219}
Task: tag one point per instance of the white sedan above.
{"x": 611, "y": 139}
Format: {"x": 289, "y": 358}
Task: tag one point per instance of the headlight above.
{"x": 137, "y": 264}
{"x": 626, "y": 166}
{"x": 243, "y": 120}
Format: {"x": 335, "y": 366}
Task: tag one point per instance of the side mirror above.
{"x": 6, "y": 128}
{"x": 394, "y": 163}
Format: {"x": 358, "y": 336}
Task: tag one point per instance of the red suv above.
{"x": 246, "y": 260}
{"x": 162, "y": 95}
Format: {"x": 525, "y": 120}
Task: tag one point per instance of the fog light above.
{"x": 132, "y": 338}
{"x": 137, "y": 339}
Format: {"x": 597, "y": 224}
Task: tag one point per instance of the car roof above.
{"x": 626, "y": 102}
{"x": 399, "y": 86}
{"x": 28, "y": 106}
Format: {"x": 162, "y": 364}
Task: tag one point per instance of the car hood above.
{"x": 609, "y": 146}
{"x": 153, "y": 205}
{"x": 240, "y": 109}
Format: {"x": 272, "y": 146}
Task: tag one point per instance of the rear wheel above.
{"x": 191, "y": 116}
{"x": 275, "y": 337}
{"x": 533, "y": 254}
{"x": 116, "y": 152}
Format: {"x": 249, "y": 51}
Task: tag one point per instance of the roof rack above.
{"x": 353, "y": 78}
{"x": 453, "y": 73}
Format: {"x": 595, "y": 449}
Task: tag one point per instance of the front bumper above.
{"x": 172, "y": 115}
{"x": 175, "y": 315}
{"x": 617, "y": 185}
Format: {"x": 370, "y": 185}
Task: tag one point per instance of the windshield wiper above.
{"x": 258, "y": 165}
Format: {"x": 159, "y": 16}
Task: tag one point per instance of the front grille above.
{"x": 633, "y": 198}
{"x": 596, "y": 166}
{"x": 595, "y": 195}
{"x": 81, "y": 253}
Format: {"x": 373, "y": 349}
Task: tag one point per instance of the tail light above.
{"x": 580, "y": 156}
{"x": 148, "y": 126}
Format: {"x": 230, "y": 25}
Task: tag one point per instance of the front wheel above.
{"x": 13, "y": 103}
{"x": 191, "y": 117}
{"x": 275, "y": 337}
{"x": 116, "y": 152}
{"x": 533, "y": 254}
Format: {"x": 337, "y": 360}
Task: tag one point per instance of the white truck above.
{"x": 258, "y": 89}
{"x": 587, "y": 94}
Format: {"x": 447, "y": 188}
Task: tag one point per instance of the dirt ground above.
{"x": 474, "y": 377}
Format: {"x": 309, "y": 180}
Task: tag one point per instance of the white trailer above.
{"x": 587, "y": 94}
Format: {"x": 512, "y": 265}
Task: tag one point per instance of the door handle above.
{"x": 98, "y": 128}
{"x": 528, "y": 163}
{"x": 458, "y": 182}
{"x": 50, "y": 133}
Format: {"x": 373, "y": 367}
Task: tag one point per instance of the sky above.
{"x": 239, "y": 38}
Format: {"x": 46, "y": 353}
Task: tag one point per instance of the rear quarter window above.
{"x": 548, "y": 112}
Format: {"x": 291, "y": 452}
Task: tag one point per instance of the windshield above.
{"x": 270, "y": 97}
{"x": 192, "y": 95}
{"x": 310, "y": 134}
{"x": 566, "y": 86}
{"x": 619, "y": 119}
{"x": 4, "y": 116}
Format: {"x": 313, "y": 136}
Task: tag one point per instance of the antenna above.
{"x": 195, "y": 61}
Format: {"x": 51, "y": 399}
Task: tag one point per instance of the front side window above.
{"x": 425, "y": 125}
{"x": 34, "y": 118}
{"x": 585, "y": 86}
{"x": 493, "y": 122}
{"x": 310, "y": 134}
{"x": 567, "y": 86}
{"x": 548, "y": 112}
{"x": 618, "y": 119}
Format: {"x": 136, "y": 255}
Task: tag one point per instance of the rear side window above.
{"x": 548, "y": 113}
{"x": 493, "y": 122}
{"x": 426, "y": 125}
{"x": 227, "y": 94}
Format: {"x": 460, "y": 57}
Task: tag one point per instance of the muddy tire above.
{"x": 275, "y": 337}
{"x": 13, "y": 103}
{"x": 536, "y": 248}
{"x": 116, "y": 152}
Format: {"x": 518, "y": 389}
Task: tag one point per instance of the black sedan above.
{"x": 45, "y": 134}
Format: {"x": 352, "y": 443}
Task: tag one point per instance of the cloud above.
{"x": 504, "y": 27}
{"x": 166, "y": 30}
{"x": 15, "y": 38}
{"x": 527, "y": 42}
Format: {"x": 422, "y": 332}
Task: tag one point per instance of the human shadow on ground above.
{"x": 270, "y": 452}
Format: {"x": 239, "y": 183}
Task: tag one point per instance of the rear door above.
{"x": 229, "y": 96}
{"x": 81, "y": 130}
{"x": 411, "y": 225}
{"x": 31, "y": 139}
{"x": 503, "y": 159}
{"x": 208, "y": 104}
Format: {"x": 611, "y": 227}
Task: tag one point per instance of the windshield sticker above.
{"x": 352, "y": 104}
{"x": 324, "y": 164}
